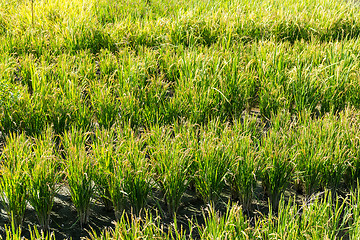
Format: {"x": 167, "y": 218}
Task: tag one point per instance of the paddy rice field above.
{"x": 196, "y": 119}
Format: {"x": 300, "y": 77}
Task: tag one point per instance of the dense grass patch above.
{"x": 183, "y": 119}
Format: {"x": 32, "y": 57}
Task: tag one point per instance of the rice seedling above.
{"x": 36, "y": 235}
{"x": 137, "y": 181}
{"x": 43, "y": 178}
{"x": 171, "y": 163}
{"x": 80, "y": 173}
{"x": 335, "y": 150}
{"x": 278, "y": 163}
{"x": 232, "y": 225}
{"x": 135, "y": 169}
{"x": 116, "y": 187}
{"x": 308, "y": 160}
{"x": 9, "y": 94}
{"x": 324, "y": 217}
{"x": 103, "y": 152}
{"x": 117, "y": 173}
{"x": 14, "y": 164}
{"x": 304, "y": 89}
{"x": 317, "y": 218}
{"x": 241, "y": 141}
{"x": 354, "y": 221}
{"x": 180, "y": 233}
{"x": 105, "y": 104}
{"x": 242, "y": 178}
{"x": 132, "y": 227}
{"x": 13, "y": 232}
{"x": 283, "y": 225}
{"x": 351, "y": 123}
{"x": 14, "y": 195}
{"x": 188, "y": 139}
{"x": 273, "y": 83}
{"x": 337, "y": 79}
{"x": 212, "y": 162}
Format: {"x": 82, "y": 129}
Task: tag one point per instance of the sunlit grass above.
{"x": 138, "y": 102}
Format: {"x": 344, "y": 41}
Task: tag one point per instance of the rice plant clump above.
{"x": 14, "y": 166}
{"x": 103, "y": 153}
{"x": 43, "y": 178}
{"x": 172, "y": 164}
{"x": 80, "y": 173}
{"x": 212, "y": 163}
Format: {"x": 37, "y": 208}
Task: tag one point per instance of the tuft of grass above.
{"x": 80, "y": 172}
{"x": 171, "y": 163}
{"x": 14, "y": 166}
{"x": 103, "y": 153}
{"x": 137, "y": 171}
{"x": 231, "y": 225}
{"x": 212, "y": 162}
{"x": 43, "y": 178}
{"x": 277, "y": 159}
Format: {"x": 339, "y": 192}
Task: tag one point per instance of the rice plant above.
{"x": 277, "y": 159}
{"x": 35, "y": 234}
{"x": 13, "y": 232}
{"x": 273, "y": 83}
{"x": 116, "y": 187}
{"x": 137, "y": 181}
{"x": 332, "y": 141}
{"x": 212, "y": 163}
{"x": 136, "y": 169}
{"x": 106, "y": 105}
{"x": 80, "y": 172}
{"x": 132, "y": 227}
{"x": 242, "y": 178}
{"x": 355, "y": 211}
{"x": 232, "y": 225}
{"x": 14, "y": 166}
{"x": 43, "y": 179}
{"x": 308, "y": 160}
{"x": 171, "y": 163}
{"x": 14, "y": 194}
{"x": 103, "y": 152}
{"x": 352, "y": 174}
{"x": 324, "y": 217}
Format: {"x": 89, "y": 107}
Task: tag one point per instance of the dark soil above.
{"x": 65, "y": 224}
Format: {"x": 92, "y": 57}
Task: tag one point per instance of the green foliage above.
{"x": 231, "y": 225}
{"x": 80, "y": 172}
{"x": 135, "y": 97}
{"x": 241, "y": 143}
{"x": 43, "y": 178}
{"x": 212, "y": 163}
{"x": 14, "y": 166}
{"x": 172, "y": 165}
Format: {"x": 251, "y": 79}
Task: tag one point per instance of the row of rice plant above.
{"x": 219, "y": 157}
{"x": 124, "y": 168}
{"x": 95, "y": 25}
{"x": 162, "y": 86}
{"x": 317, "y": 218}
{"x": 29, "y": 174}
